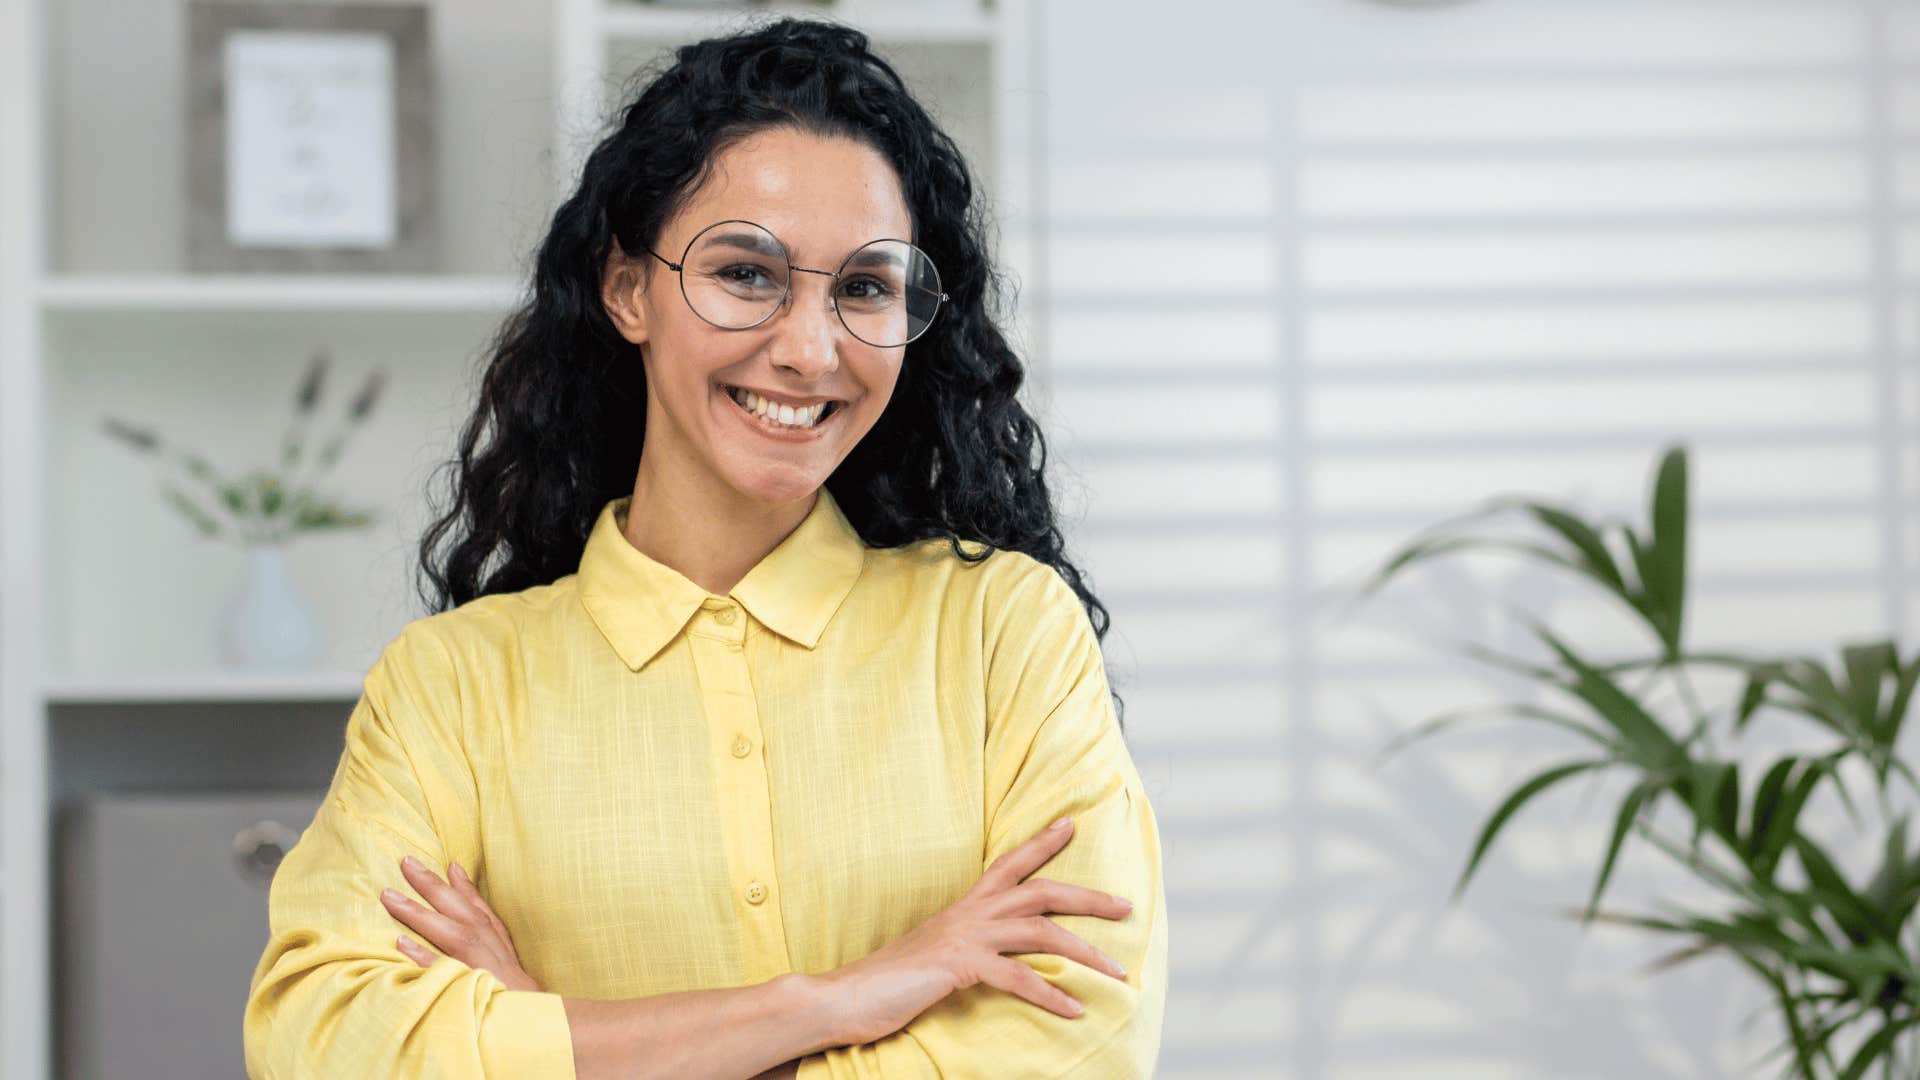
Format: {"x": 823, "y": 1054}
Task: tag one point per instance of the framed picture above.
{"x": 311, "y": 138}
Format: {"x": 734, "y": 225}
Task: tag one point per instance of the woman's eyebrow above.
{"x": 759, "y": 243}
{"x": 750, "y": 241}
{"x": 762, "y": 243}
{"x": 872, "y": 257}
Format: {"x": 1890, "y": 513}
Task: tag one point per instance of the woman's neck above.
{"x": 710, "y": 533}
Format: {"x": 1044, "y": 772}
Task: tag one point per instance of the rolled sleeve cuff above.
{"x": 526, "y": 1035}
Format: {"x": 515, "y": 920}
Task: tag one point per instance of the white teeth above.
{"x": 785, "y": 415}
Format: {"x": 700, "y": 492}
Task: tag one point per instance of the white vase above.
{"x": 270, "y": 625}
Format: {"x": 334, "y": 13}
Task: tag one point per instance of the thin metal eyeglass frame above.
{"x": 787, "y": 292}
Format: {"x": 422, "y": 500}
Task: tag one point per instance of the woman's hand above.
{"x": 459, "y": 924}
{"x": 962, "y": 946}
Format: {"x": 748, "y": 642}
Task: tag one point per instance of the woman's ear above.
{"x": 622, "y": 288}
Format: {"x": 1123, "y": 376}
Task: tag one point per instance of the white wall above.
{"x": 1319, "y": 272}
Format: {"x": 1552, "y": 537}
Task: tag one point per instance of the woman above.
{"x": 757, "y": 670}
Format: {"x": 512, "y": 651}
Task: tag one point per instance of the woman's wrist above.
{"x": 810, "y": 999}
{"x": 697, "y": 1032}
{"x": 813, "y": 1000}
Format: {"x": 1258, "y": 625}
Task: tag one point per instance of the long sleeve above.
{"x": 332, "y": 996}
{"x": 1054, "y": 748}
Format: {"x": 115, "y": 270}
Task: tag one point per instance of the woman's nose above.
{"x": 807, "y": 331}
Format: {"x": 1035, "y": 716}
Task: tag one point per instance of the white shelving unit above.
{"x": 107, "y": 293}
{"x": 109, "y": 675}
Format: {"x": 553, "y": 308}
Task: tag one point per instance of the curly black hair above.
{"x": 559, "y": 424}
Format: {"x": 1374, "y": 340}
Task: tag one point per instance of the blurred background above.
{"x": 1296, "y": 279}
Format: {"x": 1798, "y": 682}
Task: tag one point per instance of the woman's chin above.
{"x": 775, "y": 485}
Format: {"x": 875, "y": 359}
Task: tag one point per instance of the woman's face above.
{"x": 822, "y": 198}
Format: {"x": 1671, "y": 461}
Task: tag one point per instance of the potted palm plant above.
{"x": 270, "y": 625}
{"x": 1835, "y": 951}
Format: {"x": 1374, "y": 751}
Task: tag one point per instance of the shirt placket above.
{"x": 737, "y": 750}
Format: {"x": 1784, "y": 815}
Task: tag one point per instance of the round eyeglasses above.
{"x": 736, "y": 274}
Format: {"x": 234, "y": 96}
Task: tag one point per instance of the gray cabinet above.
{"x": 162, "y": 917}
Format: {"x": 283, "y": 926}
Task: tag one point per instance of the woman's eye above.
{"x": 868, "y": 289}
{"x": 743, "y": 275}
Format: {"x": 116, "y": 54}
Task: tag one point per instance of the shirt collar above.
{"x": 640, "y": 605}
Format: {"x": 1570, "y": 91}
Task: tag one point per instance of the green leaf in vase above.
{"x": 272, "y": 496}
{"x": 369, "y": 394}
{"x": 200, "y": 519}
{"x": 308, "y": 395}
{"x": 141, "y": 439}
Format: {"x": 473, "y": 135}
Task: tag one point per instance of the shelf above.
{"x": 92, "y": 293}
{"x": 210, "y": 686}
{"x": 893, "y": 23}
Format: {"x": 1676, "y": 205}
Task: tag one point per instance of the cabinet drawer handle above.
{"x": 258, "y": 849}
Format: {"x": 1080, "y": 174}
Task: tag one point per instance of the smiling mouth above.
{"x": 784, "y": 417}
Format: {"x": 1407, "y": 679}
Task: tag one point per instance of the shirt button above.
{"x": 742, "y": 747}
{"x": 724, "y": 616}
{"x": 756, "y": 893}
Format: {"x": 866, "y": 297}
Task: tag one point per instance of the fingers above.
{"x": 1017, "y": 978}
{"x": 1013, "y": 867}
{"x": 445, "y": 898}
{"x": 415, "y": 951}
{"x": 1044, "y": 896}
{"x": 423, "y": 920}
{"x": 462, "y": 884}
{"x": 1037, "y": 933}
{"x": 456, "y": 920}
{"x": 457, "y": 876}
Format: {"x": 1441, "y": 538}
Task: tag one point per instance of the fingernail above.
{"x": 454, "y": 869}
{"x": 410, "y": 862}
{"x": 1061, "y": 824}
{"x": 1075, "y": 1007}
{"x": 1124, "y": 902}
{"x": 390, "y": 896}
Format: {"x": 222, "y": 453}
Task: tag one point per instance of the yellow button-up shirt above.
{"x": 658, "y": 789}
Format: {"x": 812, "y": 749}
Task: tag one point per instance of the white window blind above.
{"x": 1317, "y": 273}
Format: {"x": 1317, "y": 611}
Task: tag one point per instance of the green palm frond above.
{"x": 1828, "y": 944}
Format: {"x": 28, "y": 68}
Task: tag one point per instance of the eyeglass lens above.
{"x": 736, "y": 273}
